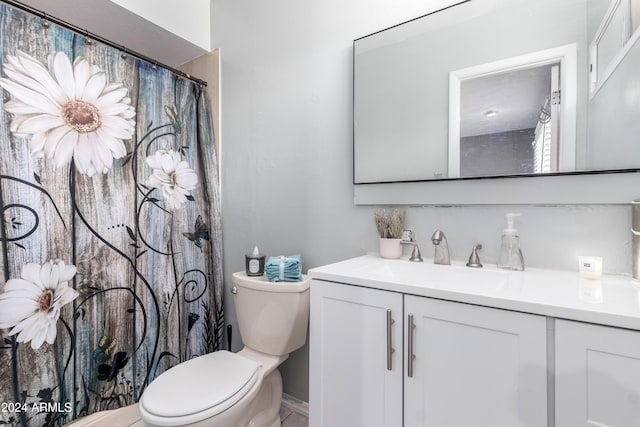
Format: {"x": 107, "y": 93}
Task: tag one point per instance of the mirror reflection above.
{"x": 506, "y": 124}
{"x": 499, "y": 88}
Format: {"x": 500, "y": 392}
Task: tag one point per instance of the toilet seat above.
{"x": 198, "y": 389}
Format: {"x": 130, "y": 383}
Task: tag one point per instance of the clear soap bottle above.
{"x": 510, "y": 254}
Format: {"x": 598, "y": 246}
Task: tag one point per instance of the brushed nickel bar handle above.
{"x": 410, "y": 355}
{"x": 390, "y": 349}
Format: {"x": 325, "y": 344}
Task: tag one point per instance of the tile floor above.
{"x": 294, "y": 413}
{"x": 294, "y": 420}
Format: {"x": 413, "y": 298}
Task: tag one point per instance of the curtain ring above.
{"x": 45, "y": 22}
{"x": 87, "y": 38}
{"x": 123, "y": 55}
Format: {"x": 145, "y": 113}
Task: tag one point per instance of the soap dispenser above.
{"x": 510, "y": 253}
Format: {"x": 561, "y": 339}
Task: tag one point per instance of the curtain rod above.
{"x": 98, "y": 38}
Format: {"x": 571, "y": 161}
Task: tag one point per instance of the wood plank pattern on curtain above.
{"x": 110, "y": 234}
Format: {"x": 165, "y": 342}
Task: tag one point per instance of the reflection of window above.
{"x": 542, "y": 143}
{"x": 616, "y": 34}
{"x": 635, "y": 15}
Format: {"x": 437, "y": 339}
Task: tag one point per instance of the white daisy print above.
{"x": 69, "y": 111}
{"x": 172, "y": 176}
{"x": 31, "y": 305}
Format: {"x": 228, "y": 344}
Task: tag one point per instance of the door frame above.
{"x": 566, "y": 55}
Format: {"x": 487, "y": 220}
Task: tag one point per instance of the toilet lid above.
{"x": 216, "y": 379}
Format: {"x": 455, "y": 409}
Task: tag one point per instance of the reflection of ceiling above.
{"x": 516, "y": 96}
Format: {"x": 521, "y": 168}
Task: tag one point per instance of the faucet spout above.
{"x": 441, "y": 255}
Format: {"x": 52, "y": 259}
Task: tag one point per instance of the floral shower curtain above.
{"x": 111, "y": 268}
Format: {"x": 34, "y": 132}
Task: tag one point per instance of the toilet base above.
{"x": 265, "y": 408}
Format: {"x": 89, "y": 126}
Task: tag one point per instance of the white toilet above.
{"x": 224, "y": 389}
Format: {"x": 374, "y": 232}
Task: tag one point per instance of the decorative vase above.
{"x": 390, "y": 248}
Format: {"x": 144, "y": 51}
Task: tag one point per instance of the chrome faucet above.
{"x": 442, "y": 248}
{"x": 474, "y": 259}
{"x": 408, "y": 238}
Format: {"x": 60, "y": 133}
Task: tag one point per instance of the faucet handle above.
{"x": 474, "y": 259}
{"x": 408, "y": 236}
{"x": 416, "y": 256}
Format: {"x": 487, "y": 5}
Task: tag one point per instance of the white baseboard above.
{"x": 295, "y": 405}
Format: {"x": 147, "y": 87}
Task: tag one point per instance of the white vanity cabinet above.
{"x": 355, "y": 356}
{"x": 473, "y": 347}
{"x": 471, "y": 365}
{"x": 597, "y": 375}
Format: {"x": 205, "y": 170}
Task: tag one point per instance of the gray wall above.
{"x": 287, "y": 156}
{"x": 504, "y": 153}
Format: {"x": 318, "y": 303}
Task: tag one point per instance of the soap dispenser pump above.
{"x": 510, "y": 254}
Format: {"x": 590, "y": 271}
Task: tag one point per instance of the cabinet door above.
{"x": 597, "y": 375}
{"x": 350, "y": 383}
{"x": 474, "y": 366}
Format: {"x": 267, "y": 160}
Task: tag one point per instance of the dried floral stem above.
{"x": 389, "y": 225}
{"x": 380, "y": 219}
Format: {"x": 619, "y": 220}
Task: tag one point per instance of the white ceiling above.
{"x": 517, "y": 98}
{"x": 119, "y": 25}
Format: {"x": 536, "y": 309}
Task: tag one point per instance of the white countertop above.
{"x": 612, "y": 300}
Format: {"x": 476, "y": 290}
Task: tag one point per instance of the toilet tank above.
{"x": 272, "y": 317}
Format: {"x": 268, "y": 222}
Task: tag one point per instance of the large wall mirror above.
{"x": 500, "y": 88}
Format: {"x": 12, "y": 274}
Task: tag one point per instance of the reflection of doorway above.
{"x": 508, "y": 117}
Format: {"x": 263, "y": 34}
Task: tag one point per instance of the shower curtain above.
{"x": 111, "y": 268}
